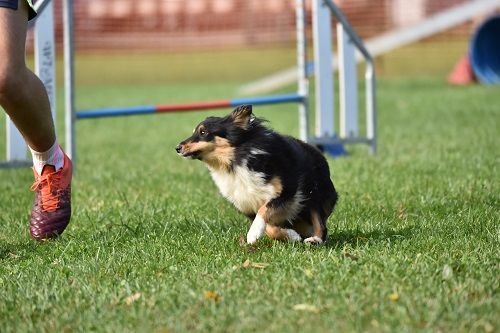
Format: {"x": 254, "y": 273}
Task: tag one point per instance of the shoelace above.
{"x": 49, "y": 200}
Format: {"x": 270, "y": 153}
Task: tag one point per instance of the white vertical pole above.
{"x": 16, "y": 146}
{"x": 69, "y": 81}
{"x": 371, "y": 106}
{"x": 303, "y": 82}
{"x": 348, "y": 85}
{"x": 322, "y": 32}
{"x": 45, "y": 54}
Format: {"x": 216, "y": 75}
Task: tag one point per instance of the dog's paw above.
{"x": 256, "y": 230}
{"x": 252, "y": 237}
{"x": 292, "y": 235}
{"x": 313, "y": 240}
{"x": 254, "y": 234}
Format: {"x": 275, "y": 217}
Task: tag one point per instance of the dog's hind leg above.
{"x": 272, "y": 216}
{"x": 278, "y": 233}
{"x": 319, "y": 229}
{"x": 276, "y": 211}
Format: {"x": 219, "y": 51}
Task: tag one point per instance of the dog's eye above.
{"x": 203, "y": 132}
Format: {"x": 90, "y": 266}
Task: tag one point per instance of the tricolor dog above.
{"x": 282, "y": 184}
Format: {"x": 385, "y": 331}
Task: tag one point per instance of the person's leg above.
{"x": 24, "y": 98}
{"x": 22, "y": 94}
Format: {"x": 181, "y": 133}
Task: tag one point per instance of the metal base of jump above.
{"x": 165, "y": 108}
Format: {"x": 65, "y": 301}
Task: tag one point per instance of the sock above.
{"x": 54, "y": 156}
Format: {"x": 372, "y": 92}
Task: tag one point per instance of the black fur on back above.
{"x": 299, "y": 165}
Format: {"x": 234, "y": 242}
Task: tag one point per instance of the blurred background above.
{"x": 187, "y": 26}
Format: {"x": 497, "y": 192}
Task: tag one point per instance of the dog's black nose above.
{"x": 178, "y": 148}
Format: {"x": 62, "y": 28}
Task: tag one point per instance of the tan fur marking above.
{"x": 303, "y": 228}
{"x": 275, "y": 232}
{"x": 276, "y": 182}
{"x": 241, "y": 116}
{"x": 221, "y": 156}
{"x": 200, "y": 146}
{"x": 263, "y": 212}
{"x": 273, "y": 216}
{"x": 316, "y": 224}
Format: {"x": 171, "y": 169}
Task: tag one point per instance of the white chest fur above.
{"x": 246, "y": 189}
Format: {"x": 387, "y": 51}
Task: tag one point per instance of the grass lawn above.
{"x": 413, "y": 246}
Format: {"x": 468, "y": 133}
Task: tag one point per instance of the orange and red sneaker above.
{"x": 51, "y": 210}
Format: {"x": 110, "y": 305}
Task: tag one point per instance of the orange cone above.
{"x": 462, "y": 73}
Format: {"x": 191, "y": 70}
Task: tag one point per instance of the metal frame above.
{"x": 69, "y": 81}
{"x": 371, "y": 108}
{"x": 348, "y": 85}
{"x": 303, "y": 80}
{"x": 324, "y": 84}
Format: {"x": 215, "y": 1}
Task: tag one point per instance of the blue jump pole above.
{"x": 152, "y": 109}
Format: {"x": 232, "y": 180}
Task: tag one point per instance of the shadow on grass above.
{"x": 340, "y": 239}
{"x": 28, "y": 249}
{"x": 17, "y": 250}
{"x": 356, "y": 238}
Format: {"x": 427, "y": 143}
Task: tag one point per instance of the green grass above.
{"x": 413, "y": 242}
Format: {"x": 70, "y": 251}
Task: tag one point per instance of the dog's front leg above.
{"x": 257, "y": 229}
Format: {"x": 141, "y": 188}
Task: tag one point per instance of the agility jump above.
{"x": 325, "y": 133}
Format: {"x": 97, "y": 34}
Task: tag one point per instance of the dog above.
{"x": 282, "y": 184}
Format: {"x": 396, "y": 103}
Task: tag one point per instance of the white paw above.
{"x": 293, "y": 235}
{"x": 256, "y": 230}
{"x": 313, "y": 240}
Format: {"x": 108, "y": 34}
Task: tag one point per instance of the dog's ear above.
{"x": 242, "y": 115}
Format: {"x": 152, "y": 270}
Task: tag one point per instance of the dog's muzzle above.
{"x": 187, "y": 154}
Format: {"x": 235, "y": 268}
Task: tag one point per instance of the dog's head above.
{"x": 215, "y": 139}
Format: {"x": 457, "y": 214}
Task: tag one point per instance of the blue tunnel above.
{"x": 485, "y": 51}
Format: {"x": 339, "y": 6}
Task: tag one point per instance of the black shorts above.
{"x": 13, "y": 4}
